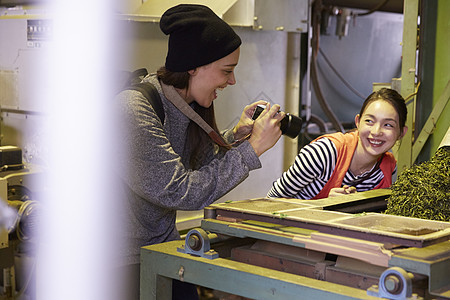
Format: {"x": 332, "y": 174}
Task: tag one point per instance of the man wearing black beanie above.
{"x": 182, "y": 161}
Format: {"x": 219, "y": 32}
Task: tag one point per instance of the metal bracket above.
{"x": 395, "y": 283}
{"x": 197, "y": 243}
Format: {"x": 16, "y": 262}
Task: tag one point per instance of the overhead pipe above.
{"x": 314, "y": 78}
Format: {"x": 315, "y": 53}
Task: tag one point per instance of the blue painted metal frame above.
{"x": 160, "y": 263}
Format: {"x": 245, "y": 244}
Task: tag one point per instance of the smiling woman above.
{"x": 206, "y": 80}
{"x": 184, "y": 163}
{"x": 381, "y": 123}
{"x": 338, "y": 164}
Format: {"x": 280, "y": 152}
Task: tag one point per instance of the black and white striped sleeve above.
{"x": 309, "y": 173}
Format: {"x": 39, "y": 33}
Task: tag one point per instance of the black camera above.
{"x": 290, "y": 125}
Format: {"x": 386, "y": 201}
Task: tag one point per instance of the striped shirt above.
{"x": 312, "y": 169}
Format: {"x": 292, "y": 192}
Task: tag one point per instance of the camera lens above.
{"x": 291, "y": 125}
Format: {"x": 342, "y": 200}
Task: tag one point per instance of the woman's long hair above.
{"x": 197, "y": 138}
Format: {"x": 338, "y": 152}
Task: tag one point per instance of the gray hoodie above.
{"x": 156, "y": 174}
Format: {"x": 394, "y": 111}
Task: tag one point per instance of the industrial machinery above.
{"x": 305, "y": 249}
{"x": 18, "y": 197}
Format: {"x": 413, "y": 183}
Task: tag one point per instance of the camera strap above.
{"x": 181, "y": 104}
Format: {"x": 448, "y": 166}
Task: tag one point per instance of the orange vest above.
{"x": 345, "y": 146}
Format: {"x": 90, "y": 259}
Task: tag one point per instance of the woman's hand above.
{"x": 245, "y": 124}
{"x": 266, "y": 129}
{"x": 345, "y": 190}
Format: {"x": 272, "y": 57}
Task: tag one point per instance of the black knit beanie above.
{"x": 197, "y": 37}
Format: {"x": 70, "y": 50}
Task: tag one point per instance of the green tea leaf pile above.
{"x": 423, "y": 191}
